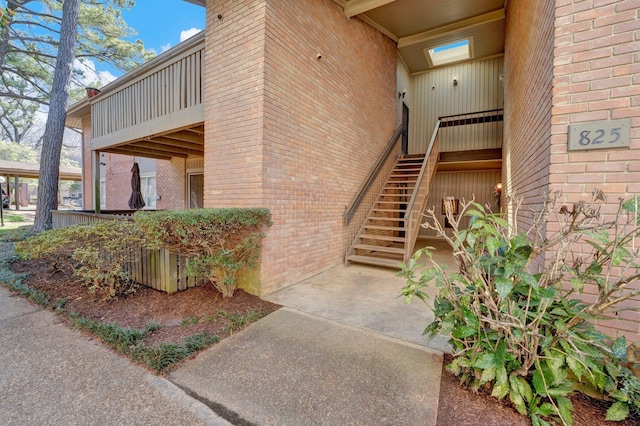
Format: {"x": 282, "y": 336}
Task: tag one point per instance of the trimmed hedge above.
{"x": 218, "y": 242}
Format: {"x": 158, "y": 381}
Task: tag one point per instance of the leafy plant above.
{"x": 517, "y": 328}
{"x": 218, "y": 242}
{"x": 98, "y": 253}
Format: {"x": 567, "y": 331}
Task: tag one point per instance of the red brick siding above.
{"x": 233, "y": 103}
{"x": 326, "y": 122}
{"x": 290, "y": 132}
{"x": 527, "y": 107}
{"x": 597, "y": 63}
{"x": 171, "y": 184}
{"x": 118, "y": 181}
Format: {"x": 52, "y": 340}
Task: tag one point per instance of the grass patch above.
{"x": 164, "y": 356}
{"x": 14, "y": 218}
{"x": 130, "y": 341}
{"x": 192, "y": 320}
{"x": 238, "y": 322}
{"x": 13, "y": 233}
{"x": 14, "y": 282}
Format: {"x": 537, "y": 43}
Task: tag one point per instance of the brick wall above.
{"x": 118, "y": 181}
{"x": 233, "y": 103}
{"x": 597, "y": 77}
{"x": 527, "y": 105}
{"x": 291, "y": 132}
{"x": 327, "y": 120}
{"x": 171, "y": 184}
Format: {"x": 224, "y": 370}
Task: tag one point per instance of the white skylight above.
{"x": 448, "y": 53}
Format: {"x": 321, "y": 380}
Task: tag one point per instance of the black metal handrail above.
{"x": 357, "y": 199}
{"x": 479, "y": 117}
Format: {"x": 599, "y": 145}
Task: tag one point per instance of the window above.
{"x": 449, "y": 53}
{"x": 196, "y": 190}
{"x": 148, "y": 189}
{"x": 103, "y": 193}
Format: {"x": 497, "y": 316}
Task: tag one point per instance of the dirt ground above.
{"x": 203, "y": 309}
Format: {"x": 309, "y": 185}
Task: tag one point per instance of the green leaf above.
{"x": 503, "y": 287}
{"x": 487, "y": 375}
{"x": 546, "y": 409}
{"x": 471, "y": 239}
{"x": 576, "y": 367}
{"x": 619, "y": 349}
{"x": 470, "y": 319}
{"x": 485, "y": 361}
{"x": 464, "y": 331}
{"x": 565, "y": 407}
{"x": 501, "y": 387}
{"x": 500, "y": 354}
{"x": 517, "y": 400}
{"x": 617, "y": 412}
{"x": 537, "y": 421}
{"x": 492, "y": 245}
{"x": 519, "y": 391}
{"x": 577, "y": 284}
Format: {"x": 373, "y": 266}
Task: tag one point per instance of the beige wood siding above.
{"x": 165, "y": 97}
{"x": 462, "y": 186}
{"x": 479, "y": 88}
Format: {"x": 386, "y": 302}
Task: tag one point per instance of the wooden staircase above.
{"x": 381, "y": 239}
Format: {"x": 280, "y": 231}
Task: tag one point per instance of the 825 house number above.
{"x": 599, "y": 135}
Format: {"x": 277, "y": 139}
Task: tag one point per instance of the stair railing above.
{"x": 420, "y": 195}
{"x": 357, "y": 199}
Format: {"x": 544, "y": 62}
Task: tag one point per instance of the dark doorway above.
{"x": 405, "y": 128}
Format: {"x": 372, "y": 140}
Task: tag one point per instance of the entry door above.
{"x": 405, "y": 128}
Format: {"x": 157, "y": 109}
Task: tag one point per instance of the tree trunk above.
{"x": 54, "y": 130}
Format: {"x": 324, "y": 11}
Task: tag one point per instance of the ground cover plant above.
{"x": 518, "y": 327}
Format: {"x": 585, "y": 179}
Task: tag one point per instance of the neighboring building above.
{"x": 289, "y": 106}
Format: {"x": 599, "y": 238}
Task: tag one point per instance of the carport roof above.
{"x": 28, "y": 170}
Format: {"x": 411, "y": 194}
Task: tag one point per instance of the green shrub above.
{"x": 98, "y": 253}
{"x": 516, "y": 325}
{"x": 218, "y": 242}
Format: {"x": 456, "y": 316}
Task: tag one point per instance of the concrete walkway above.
{"x": 345, "y": 350}
{"x": 51, "y": 375}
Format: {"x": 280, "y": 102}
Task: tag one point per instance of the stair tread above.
{"x": 388, "y": 219}
{"x": 390, "y": 263}
{"x": 386, "y": 249}
{"x": 382, "y": 237}
{"x": 404, "y": 175}
{"x": 384, "y": 228}
{"x": 389, "y": 210}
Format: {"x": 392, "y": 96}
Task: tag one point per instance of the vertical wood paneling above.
{"x": 175, "y": 87}
{"x": 479, "y": 88}
{"x": 462, "y": 185}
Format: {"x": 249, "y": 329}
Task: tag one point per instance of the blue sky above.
{"x": 159, "y": 23}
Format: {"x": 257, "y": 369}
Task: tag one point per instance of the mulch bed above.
{"x": 200, "y": 309}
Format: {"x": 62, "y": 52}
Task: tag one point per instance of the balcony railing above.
{"x": 161, "y": 95}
